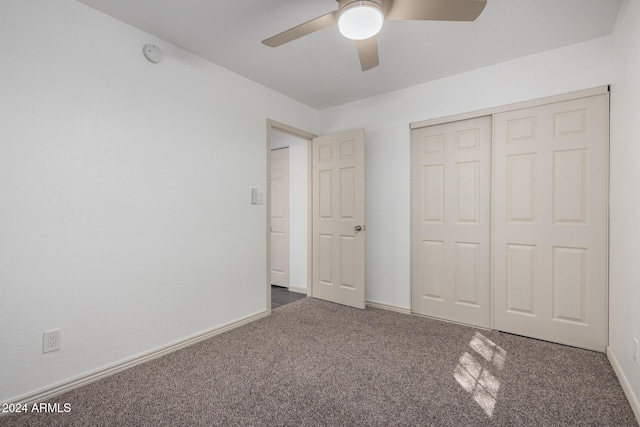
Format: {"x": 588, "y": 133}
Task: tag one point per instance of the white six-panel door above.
{"x": 550, "y": 222}
{"x": 451, "y": 199}
{"x": 280, "y": 217}
{"x": 338, "y": 211}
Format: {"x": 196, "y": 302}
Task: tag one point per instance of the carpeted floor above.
{"x": 313, "y": 363}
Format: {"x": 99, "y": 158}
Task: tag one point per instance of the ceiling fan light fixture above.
{"x": 360, "y": 20}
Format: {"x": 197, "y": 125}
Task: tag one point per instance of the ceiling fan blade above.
{"x": 434, "y": 10}
{"x": 308, "y": 27}
{"x": 368, "y": 53}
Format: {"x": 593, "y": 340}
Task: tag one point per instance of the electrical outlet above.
{"x": 51, "y": 340}
{"x": 636, "y": 356}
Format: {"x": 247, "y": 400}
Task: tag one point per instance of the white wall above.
{"x": 386, "y": 119}
{"x": 125, "y": 215}
{"x": 624, "y": 269}
{"x": 298, "y": 207}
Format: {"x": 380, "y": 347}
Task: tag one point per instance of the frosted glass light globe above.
{"x": 360, "y": 21}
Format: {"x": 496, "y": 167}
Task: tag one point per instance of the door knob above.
{"x": 358, "y": 228}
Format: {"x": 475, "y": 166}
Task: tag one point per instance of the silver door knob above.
{"x": 358, "y": 228}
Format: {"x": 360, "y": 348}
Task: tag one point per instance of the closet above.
{"x": 510, "y": 219}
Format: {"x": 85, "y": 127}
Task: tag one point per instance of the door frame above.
{"x": 298, "y": 133}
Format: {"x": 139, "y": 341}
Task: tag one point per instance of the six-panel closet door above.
{"x": 451, "y": 199}
{"x": 550, "y": 221}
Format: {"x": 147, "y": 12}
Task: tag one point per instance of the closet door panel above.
{"x": 550, "y": 221}
{"x": 451, "y": 194}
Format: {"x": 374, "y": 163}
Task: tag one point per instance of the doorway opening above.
{"x": 288, "y": 202}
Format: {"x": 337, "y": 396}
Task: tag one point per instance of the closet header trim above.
{"x": 511, "y": 107}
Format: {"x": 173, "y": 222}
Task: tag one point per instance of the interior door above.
{"x": 451, "y": 221}
{"x": 280, "y": 217}
{"x": 339, "y": 218}
{"x": 550, "y": 219}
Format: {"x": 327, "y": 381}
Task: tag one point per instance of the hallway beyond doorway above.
{"x": 281, "y": 296}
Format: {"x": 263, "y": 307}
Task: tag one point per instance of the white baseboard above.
{"x": 628, "y": 391}
{"x": 389, "y": 307}
{"x": 49, "y": 392}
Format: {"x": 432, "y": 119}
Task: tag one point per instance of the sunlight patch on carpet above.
{"x": 477, "y": 378}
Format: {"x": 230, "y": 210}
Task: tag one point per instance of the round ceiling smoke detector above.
{"x": 152, "y": 53}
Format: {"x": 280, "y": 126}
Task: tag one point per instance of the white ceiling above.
{"x": 323, "y": 70}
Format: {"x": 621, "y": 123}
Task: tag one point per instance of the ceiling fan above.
{"x": 361, "y": 20}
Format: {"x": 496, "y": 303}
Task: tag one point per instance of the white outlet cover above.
{"x": 51, "y": 340}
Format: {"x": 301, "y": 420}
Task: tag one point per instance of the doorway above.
{"x": 332, "y": 258}
{"x": 289, "y": 251}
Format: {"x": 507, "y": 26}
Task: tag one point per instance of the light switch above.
{"x": 254, "y": 196}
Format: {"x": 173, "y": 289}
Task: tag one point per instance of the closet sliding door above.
{"x": 550, "y": 221}
{"x": 451, "y": 202}
{"x": 509, "y": 226}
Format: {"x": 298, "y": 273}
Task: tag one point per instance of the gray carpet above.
{"x": 313, "y": 363}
